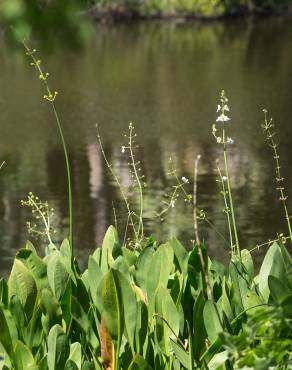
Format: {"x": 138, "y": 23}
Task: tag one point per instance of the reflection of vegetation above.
{"x": 71, "y": 20}
{"x": 46, "y": 18}
{"x": 206, "y": 8}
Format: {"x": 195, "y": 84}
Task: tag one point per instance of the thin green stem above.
{"x": 110, "y": 167}
{"x": 134, "y": 166}
{"x": 229, "y": 190}
{"x": 50, "y": 97}
{"x": 227, "y": 210}
{"x": 267, "y": 127}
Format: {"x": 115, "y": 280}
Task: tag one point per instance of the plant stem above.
{"x": 140, "y": 225}
{"x": 50, "y": 97}
{"x": 195, "y": 216}
{"x": 229, "y": 190}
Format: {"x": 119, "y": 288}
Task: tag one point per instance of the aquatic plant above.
{"x": 50, "y": 97}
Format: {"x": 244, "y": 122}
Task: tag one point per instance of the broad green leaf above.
{"x": 218, "y": 360}
{"x": 211, "y": 321}
{"x": 22, "y": 284}
{"x": 167, "y": 320}
{"x": 3, "y": 292}
{"x": 88, "y": 366}
{"x": 138, "y": 363}
{"x": 181, "y": 255}
{"x": 51, "y": 309}
{"x": 24, "y": 359}
{"x": 181, "y": 354}
{"x": 58, "y": 348}
{"x": 66, "y": 257}
{"x": 273, "y": 264}
{"x": 110, "y": 242}
{"x": 279, "y": 290}
{"x": 70, "y": 365}
{"x": 94, "y": 278}
{"x": 35, "y": 265}
{"x": 8, "y": 331}
{"x": 57, "y": 275}
{"x": 247, "y": 261}
{"x": 142, "y": 267}
{"x": 199, "y": 331}
{"x": 83, "y": 321}
{"x": 129, "y": 307}
{"x": 17, "y": 312}
{"x": 112, "y": 311}
{"x": 75, "y": 354}
{"x": 159, "y": 269}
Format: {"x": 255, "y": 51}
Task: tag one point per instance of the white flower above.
{"x": 224, "y": 178}
{"x": 219, "y": 139}
{"x": 222, "y": 118}
{"x": 226, "y": 107}
{"x": 185, "y": 180}
{"x": 172, "y": 203}
{"x": 218, "y": 108}
{"x": 230, "y": 141}
{"x": 123, "y": 149}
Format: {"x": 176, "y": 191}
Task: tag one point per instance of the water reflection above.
{"x": 166, "y": 79}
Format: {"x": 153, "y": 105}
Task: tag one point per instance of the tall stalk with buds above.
{"x": 268, "y": 129}
{"x": 224, "y": 140}
{"x": 50, "y": 97}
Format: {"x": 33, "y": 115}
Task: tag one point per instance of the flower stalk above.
{"x": 50, "y": 96}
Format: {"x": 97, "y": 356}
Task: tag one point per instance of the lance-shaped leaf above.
{"x": 22, "y": 284}
{"x": 58, "y": 348}
{"x": 8, "y": 331}
{"x": 24, "y": 359}
{"x": 57, "y": 274}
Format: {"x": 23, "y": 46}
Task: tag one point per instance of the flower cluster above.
{"x": 41, "y": 212}
{"x": 222, "y": 108}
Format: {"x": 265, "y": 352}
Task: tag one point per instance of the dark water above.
{"x": 166, "y": 79}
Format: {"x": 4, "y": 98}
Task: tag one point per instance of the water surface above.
{"x": 166, "y": 78}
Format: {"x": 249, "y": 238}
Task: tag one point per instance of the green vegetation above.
{"x": 161, "y": 308}
{"x": 71, "y": 20}
{"x": 144, "y": 305}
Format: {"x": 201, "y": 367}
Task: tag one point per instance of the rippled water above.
{"x": 166, "y": 79}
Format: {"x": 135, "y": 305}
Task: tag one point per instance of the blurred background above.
{"x": 161, "y": 65}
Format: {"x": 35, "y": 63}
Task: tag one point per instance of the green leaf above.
{"x": 83, "y": 321}
{"x": 211, "y": 321}
{"x": 159, "y": 269}
{"x": 181, "y": 255}
{"x": 138, "y": 363}
{"x": 142, "y": 267}
{"x": 129, "y": 307}
{"x": 181, "y": 354}
{"x": 218, "y": 360}
{"x": 94, "y": 278}
{"x": 273, "y": 264}
{"x": 35, "y": 265}
{"x": 110, "y": 241}
{"x": 24, "y": 359}
{"x": 58, "y": 348}
{"x": 168, "y": 319}
{"x": 112, "y": 310}
{"x": 70, "y": 365}
{"x": 22, "y": 284}
{"x": 8, "y": 331}
{"x": 198, "y": 326}
{"x": 75, "y": 354}
{"x": 57, "y": 275}
{"x": 3, "y": 292}
{"x": 51, "y": 309}
{"x": 279, "y": 290}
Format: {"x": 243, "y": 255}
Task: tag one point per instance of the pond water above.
{"x": 166, "y": 79}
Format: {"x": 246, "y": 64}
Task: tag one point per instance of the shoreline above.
{"x": 116, "y": 15}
